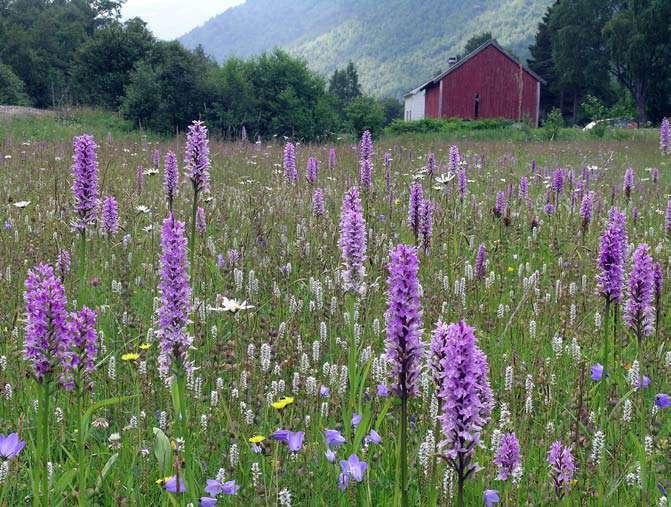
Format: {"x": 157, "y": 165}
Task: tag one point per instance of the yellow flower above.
{"x": 283, "y": 402}
{"x": 145, "y": 346}
{"x": 510, "y": 269}
{"x": 161, "y": 482}
{"x": 257, "y": 439}
{"x": 130, "y": 356}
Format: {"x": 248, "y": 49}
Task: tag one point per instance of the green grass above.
{"x": 63, "y": 124}
{"x": 252, "y": 209}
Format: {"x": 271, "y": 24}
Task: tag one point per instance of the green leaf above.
{"x": 162, "y": 451}
{"x": 106, "y": 470}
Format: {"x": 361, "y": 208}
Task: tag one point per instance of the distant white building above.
{"x": 414, "y": 104}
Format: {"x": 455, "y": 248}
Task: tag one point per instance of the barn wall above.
{"x": 495, "y": 78}
{"x": 414, "y": 106}
{"x": 431, "y": 102}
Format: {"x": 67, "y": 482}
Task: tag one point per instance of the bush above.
{"x": 553, "y": 124}
{"x": 12, "y": 90}
{"x": 365, "y": 113}
{"x": 446, "y": 125}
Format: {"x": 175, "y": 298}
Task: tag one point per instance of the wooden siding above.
{"x": 495, "y": 78}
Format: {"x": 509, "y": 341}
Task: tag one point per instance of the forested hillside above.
{"x": 395, "y": 43}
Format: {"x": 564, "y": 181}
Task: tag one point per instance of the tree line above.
{"x": 78, "y": 52}
{"x": 605, "y": 58}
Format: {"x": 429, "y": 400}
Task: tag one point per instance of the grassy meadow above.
{"x": 537, "y": 314}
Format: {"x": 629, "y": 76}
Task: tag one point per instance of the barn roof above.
{"x": 492, "y": 42}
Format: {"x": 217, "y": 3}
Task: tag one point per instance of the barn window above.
{"x": 476, "y": 113}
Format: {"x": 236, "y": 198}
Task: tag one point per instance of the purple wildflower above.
{"x": 295, "y": 440}
{"x": 426, "y": 223}
{"x": 562, "y": 467}
{"x": 628, "y": 183}
{"x": 353, "y": 240}
{"x": 586, "y": 207}
{"x": 333, "y": 438}
{"x": 63, "y": 262}
{"x": 465, "y": 393}
{"x": 156, "y": 158}
{"x": 431, "y": 164}
{"x": 597, "y": 372}
{"x": 663, "y": 400}
{"x": 11, "y": 445}
{"x": 490, "y": 497}
{"x": 667, "y": 218}
{"x": 654, "y": 175}
{"x": 665, "y": 136}
{"x": 454, "y": 160}
{"x": 373, "y": 437}
{"x": 507, "y": 459}
{"x": 500, "y": 204}
{"x": 280, "y": 435}
{"x": 85, "y": 184}
{"x": 170, "y": 177}
{"x": 523, "y": 189}
{"x": 318, "y": 207}
{"x": 46, "y": 339}
{"x": 639, "y": 313}
{"x": 82, "y": 343}
{"x": 233, "y": 257}
{"x": 175, "y": 291}
{"x": 366, "y": 145}
{"x": 658, "y": 278}
{"x": 558, "y": 180}
{"x": 404, "y": 320}
{"x": 356, "y": 420}
{"x": 201, "y": 224}
{"x": 173, "y": 485}
{"x": 215, "y": 487}
{"x": 366, "y": 173}
{"x": 462, "y": 184}
{"x": 197, "y": 157}
{"x": 289, "y": 163}
{"x": 312, "y": 170}
{"x": 415, "y": 207}
{"x": 110, "y": 215}
{"x": 352, "y": 467}
{"x": 480, "y": 262}
{"x": 365, "y": 160}
{"x": 612, "y": 250}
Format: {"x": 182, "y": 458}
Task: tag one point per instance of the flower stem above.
{"x": 192, "y": 236}
{"x": 43, "y": 446}
{"x": 81, "y": 447}
{"x": 404, "y": 450}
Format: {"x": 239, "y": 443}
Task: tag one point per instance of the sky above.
{"x": 169, "y": 19}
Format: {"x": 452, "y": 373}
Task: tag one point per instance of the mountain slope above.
{"x": 396, "y": 44}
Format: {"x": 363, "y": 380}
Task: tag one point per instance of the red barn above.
{"x": 487, "y": 83}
